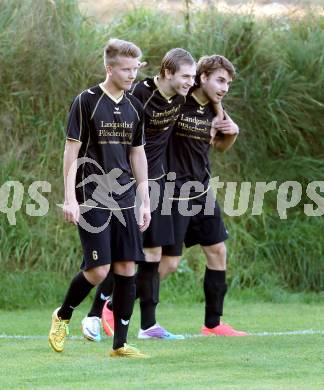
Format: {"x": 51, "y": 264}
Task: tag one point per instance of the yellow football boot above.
{"x": 128, "y": 352}
{"x": 59, "y": 330}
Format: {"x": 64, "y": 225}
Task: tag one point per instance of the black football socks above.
{"x": 79, "y": 288}
{"x": 104, "y": 291}
{"x": 147, "y": 290}
{"x": 215, "y": 288}
{"x": 124, "y": 298}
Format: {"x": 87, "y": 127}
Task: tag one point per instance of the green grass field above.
{"x": 279, "y": 361}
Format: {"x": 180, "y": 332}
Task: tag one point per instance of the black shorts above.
{"x": 199, "y": 229}
{"x": 160, "y": 231}
{"x": 105, "y": 239}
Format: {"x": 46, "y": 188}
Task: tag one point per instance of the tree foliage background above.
{"x": 49, "y": 52}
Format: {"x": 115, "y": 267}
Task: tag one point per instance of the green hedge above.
{"x": 50, "y": 52}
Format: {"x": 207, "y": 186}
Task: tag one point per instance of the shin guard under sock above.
{"x": 79, "y": 288}
{"x": 215, "y": 289}
{"x": 148, "y": 289}
{"x": 124, "y": 298}
{"x": 104, "y": 291}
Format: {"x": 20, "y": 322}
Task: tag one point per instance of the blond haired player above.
{"x": 105, "y": 132}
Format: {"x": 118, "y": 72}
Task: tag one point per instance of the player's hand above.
{"x": 144, "y": 217}
{"x": 71, "y": 211}
{"x": 227, "y": 126}
{"x": 142, "y": 64}
{"x": 213, "y": 130}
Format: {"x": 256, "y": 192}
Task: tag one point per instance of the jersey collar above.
{"x": 198, "y": 100}
{"x": 156, "y": 82}
{"x": 118, "y": 100}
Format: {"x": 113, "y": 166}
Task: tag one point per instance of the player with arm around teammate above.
{"x": 196, "y": 214}
{"x": 162, "y": 97}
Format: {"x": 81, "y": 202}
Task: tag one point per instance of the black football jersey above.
{"x": 160, "y": 113}
{"x": 189, "y": 144}
{"x": 107, "y": 128}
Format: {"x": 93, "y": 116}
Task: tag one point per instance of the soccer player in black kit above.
{"x": 105, "y": 137}
{"x": 162, "y": 97}
{"x": 196, "y": 214}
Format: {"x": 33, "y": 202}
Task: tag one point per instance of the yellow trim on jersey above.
{"x": 193, "y": 136}
{"x": 118, "y": 100}
{"x": 74, "y": 139}
{"x": 106, "y": 208}
{"x": 95, "y": 109}
{"x": 161, "y": 92}
{"x": 156, "y": 178}
{"x": 193, "y": 197}
{"x": 147, "y": 101}
{"x": 80, "y": 116}
{"x": 138, "y": 117}
{"x": 85, "y": 154}
{"x": 133, "y": 88}
{"x": 115, "y": 142}
{"x": 198, "y": 100}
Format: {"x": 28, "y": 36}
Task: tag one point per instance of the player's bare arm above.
{"x": 71, "y": 208}
{"x": 230, "y": 131}
{"x": 218, "y": 108}
{"x": 139, "y": 168}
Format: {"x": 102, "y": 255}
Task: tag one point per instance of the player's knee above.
{"x": 172, "y": 268}
{"x": 153, "y": 255}
{"x": 101, "y": 275}
{"x": 216, "y": 256}
{"x": 124, "y": 268}
{"x": 97, "y": 275}
{"x": 171, "y": 265}
{"x": 220, "y": 250}
{"x": 162, "y": 270}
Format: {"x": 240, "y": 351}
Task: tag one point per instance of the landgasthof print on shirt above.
{"x": 189, "y": 144}
{"x": 107, "y": 128}
{"x": 160, "y": 113}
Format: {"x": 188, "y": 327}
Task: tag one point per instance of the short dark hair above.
{"x": 208, "y": 65}
{"x": 174, "y": 58}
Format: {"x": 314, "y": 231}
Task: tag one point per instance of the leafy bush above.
{"x": 49, "y": 52}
